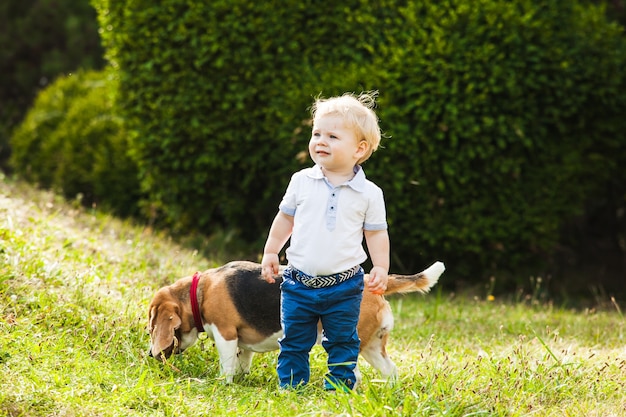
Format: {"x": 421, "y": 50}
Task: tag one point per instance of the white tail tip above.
{"x": 434, "y": 271}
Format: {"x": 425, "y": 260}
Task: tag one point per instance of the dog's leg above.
{"x": 375, "y": 351}
{"x": 244, "y": 359}
{"x": 227, "y": 351}
{"x": 376, "y": 356}
{"x": 359, "y": 377}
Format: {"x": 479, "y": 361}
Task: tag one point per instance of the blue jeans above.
{"x": 338, "y": 308}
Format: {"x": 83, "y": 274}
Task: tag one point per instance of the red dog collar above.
{"x": 195, "y": 307}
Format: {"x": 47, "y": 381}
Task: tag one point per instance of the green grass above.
{"x": 74, "y": 290}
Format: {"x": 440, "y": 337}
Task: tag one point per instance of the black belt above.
{"x": 324, "y": 280}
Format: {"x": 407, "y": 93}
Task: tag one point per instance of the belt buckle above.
{"x": 318, "y": 282}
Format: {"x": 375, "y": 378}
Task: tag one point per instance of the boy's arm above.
{"x": 378, "y": 247}
{"x": 278, "y": 235}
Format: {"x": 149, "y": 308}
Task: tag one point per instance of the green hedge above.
{"x": 508, "y": 119}
{"x": 73, "y": 141}
{"x": 219, "y": 94}
{"x": 504, "y": 117}
{"x": 41, "y": 40}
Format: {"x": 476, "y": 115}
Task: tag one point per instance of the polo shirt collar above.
{"x": 357, "y": 183}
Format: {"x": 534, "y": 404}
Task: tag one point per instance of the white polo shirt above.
{"x": 329, "y": 221}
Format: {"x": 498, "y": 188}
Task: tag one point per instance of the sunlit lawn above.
{"x": 74, "y": 290}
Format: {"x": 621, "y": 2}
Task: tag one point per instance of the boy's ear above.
{"x": 362, "y": 148}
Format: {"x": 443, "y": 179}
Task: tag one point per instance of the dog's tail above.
{"x": 420, "y": 282}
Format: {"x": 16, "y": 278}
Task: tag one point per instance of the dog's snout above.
{"x": 165, "y": 353}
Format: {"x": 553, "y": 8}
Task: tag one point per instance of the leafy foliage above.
{"x": 73, "y": 141}
{"x": 504, "y": 117}
{"x": 220, "y": 93}
{"x": 41, "y": 40}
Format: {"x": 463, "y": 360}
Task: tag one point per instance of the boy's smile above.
{"x": 334, "y": 146}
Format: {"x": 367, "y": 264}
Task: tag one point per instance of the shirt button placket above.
{"x": 331, "y": 209}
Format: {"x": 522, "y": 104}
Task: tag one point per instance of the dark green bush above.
{"x": 41, "y": 40}
{"x": 219, "y": 93}
{"x": 507, "y": 119}
{"x": 73, "y": 141}
{"x": 504, "y": 117}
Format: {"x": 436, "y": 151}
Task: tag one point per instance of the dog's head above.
{"x": 168, "y": 325}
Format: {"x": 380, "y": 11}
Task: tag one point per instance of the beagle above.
{"x": 241, "y": 313}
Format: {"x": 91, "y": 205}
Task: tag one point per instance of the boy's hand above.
{"x": 269, "y": 267}
{"x": 378, "y": 280}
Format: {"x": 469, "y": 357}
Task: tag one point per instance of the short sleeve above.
{"x": 288, "y": 203}
{"x": 376, "y": 216}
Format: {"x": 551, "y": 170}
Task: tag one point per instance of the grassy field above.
{"x": 74, "y": 291}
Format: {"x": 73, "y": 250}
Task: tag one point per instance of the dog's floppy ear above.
{"x": 164, "y": 321}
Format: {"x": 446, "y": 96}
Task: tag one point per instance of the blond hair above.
{"x": 358, "y": 113}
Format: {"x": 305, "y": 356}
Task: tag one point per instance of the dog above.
{"x": 241, "y": 313}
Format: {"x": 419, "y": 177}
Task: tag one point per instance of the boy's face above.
{"x": 334, "y": 145}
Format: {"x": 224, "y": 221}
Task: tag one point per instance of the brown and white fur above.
{"x": 241, "y": 313}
